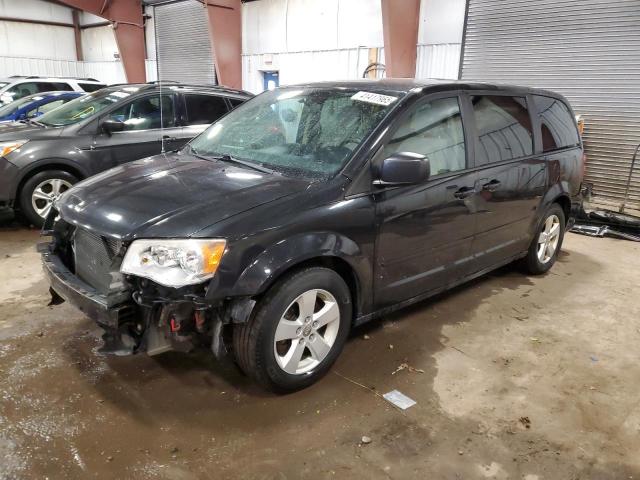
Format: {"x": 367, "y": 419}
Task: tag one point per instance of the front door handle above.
{"x": 464, "y": 192}
{"x": 492, "y": 186}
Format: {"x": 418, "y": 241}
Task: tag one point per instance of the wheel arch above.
{"x": 326, "y": 249}
{"x": 53, "y": 164}
{"x": 337, "y": 264}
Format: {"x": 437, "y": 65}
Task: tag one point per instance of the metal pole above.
{"x": 626, "y": 192}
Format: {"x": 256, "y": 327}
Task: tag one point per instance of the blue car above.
{"x": 35, "y": 105}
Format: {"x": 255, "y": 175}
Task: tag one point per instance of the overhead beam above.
{"x": 36, "y": 22}
{"x": 128, "y": 27}
{"x": 225, "y": 32}
{"x": 400, "y": 20}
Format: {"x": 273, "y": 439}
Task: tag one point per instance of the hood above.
{"x": 172, "y": 195}
{"x": 22, "y": 131}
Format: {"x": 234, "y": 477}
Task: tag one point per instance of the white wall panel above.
{"x": 99, "y": 44}
{"x": 264, "y": 26}
{"x": 39, "y": 41}
{"x": 90, "y": 19}
{"x": 35, "y": 10}
{"x": 438, "y": 61}
{"x": 275, "y": 26}
{"x": 441, "y": 22}
{"x": 310, "y": 66}
{"x": 359, "y": 23}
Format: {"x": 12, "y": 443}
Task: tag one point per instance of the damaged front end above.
{"x": 137, "y": 314}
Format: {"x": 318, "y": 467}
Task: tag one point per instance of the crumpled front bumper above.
{"x": 105, "y": 310}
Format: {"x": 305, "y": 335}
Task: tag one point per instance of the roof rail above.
{"x": 87, "y": 79}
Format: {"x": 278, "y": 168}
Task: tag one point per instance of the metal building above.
{"x": 589, "y": 51}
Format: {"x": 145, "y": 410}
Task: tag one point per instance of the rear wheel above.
{"x": 39, "y": 192}
{"x": 546, "y": 245}
{"x": 297, "y": 330}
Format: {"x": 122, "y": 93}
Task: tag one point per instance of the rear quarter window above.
{"x": 204, "y": 109}
{"x": 557, "y": 125}
{"x": 90, "y": 87}
{"x": 503, "y": 127}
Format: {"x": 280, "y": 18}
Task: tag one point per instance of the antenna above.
{"x": 155, "y": 33}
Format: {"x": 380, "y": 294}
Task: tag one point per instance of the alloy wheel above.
{"x": 307, "y": 331}
{"x": 45, "y": 194}
{"x": 548, "y": 239}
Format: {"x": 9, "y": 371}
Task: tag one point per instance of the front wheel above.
{"x": 39, "y": 192}
{"x": 546, "y": 245}
{"x": 297, "y": 331}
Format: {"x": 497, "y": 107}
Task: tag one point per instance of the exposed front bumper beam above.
{"x": 105, "y": 310}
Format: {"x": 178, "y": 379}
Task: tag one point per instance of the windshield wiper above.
{"x": 35, "y": 122}
{"x": 229, "y": 159}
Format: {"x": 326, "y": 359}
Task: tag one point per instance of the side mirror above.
{"x": 403, "y": 168}
{"x": 35, "y": 114}
{"x": 109, "y": 126}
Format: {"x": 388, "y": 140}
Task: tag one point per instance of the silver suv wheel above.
{"x": 45, "y": 193}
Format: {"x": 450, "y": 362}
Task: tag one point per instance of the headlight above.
{"x": 174, "y": 263}
{"x": 7, "y": 147}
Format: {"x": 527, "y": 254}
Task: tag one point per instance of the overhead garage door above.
{"x": 183, "y": 45}
{"x": 589, "y": 51}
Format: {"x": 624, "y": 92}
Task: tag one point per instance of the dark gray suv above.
{"x": 42, "y": 158}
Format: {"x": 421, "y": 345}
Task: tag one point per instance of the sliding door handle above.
{"x": 464, "y": 192}
{"x": 492, "y": 186}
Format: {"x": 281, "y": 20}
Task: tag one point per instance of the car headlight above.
{"x": 7, "y": 147}
{"x": 174, "y": 263}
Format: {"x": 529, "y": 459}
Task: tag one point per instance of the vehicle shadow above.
{"x": 191, "y": 395}
{"x": 198, "y": 383}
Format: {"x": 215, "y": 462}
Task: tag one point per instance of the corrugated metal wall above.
{"x": 183, "y": 46}
{"x": 588, "y": 51}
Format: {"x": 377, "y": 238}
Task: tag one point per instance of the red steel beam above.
{"x": 225, "y": 32}
{"x": 128, "y": 26}
{"x": 400, "y": 20}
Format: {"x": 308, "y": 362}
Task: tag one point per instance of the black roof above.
{"x": 406, "y": 85}
{"x": 182, "y": 86}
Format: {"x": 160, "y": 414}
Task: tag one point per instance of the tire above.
{"x": 282, "y": 310}
{"x": 540, "y": 261}
{"x": 50, "y": 183}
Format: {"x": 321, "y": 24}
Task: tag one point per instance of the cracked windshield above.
{"x": 309, "y": 132}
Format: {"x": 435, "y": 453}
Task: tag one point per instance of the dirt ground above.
{"x": 517, "y": 378}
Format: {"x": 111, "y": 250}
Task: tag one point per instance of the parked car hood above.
{"x": 26, "y": 131}
{"x": 173, "y": 195}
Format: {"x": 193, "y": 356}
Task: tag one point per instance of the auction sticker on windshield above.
{"x": 374, "y": 98}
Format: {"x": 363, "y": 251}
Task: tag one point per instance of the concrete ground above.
{"x": 515, "y": 377}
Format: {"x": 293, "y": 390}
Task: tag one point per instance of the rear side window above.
{"x": 503, "y": 127}
{"x": 433, "y": 129}
{"x": 235, "y": 102}
{"x": 204, "y": 109}
{"x": 53, "y": 86}
{"x": 558, "y": 128}
{"x": 90, "y": 87}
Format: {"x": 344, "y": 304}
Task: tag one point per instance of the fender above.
{"x": 262, "y": 271}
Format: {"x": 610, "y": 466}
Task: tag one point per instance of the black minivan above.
{"x": 313, "y": 208}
